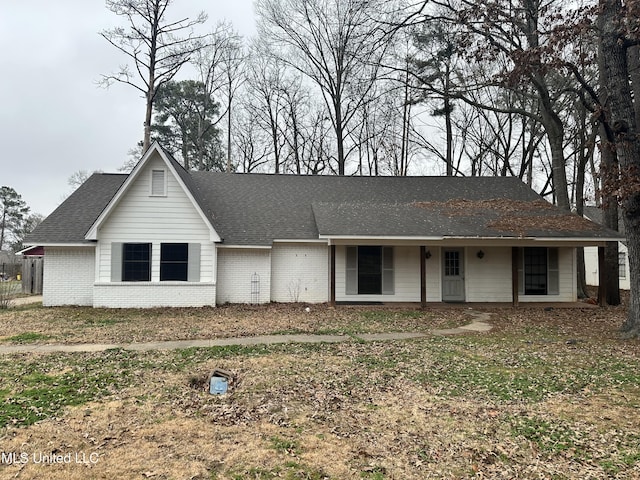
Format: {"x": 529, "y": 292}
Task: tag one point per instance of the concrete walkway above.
{"x": 478, "y": 325}
{"x": 17, "y": 302}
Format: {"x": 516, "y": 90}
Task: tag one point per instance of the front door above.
{"x": 453, "y": 275}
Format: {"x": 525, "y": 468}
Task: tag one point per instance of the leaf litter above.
{"x": 445, "y": 407}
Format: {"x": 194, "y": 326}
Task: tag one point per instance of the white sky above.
{"x": 54, "y": 119}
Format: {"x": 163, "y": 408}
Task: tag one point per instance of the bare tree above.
{"x": 265, "y": 85}
{"x": 250, "y": 143}
{"x": 154, "y": 44}
{"x": 520, "y": 46}
{"x": 220, "y": 64}
{"x": 335, "y": 43}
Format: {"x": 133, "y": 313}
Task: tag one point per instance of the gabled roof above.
{"x": 256, "y": 209}
{"x": 181, "y": 175}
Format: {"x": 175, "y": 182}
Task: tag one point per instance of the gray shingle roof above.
{"x": 258, "y": 208}
{"x": 595, "y": 214}
{"x": 255, "y": 209}
{"x": 72, "y": 219}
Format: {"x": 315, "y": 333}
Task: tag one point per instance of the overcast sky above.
{"x": 54, "y": 119}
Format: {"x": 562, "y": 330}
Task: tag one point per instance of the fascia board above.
{"x": 55, "y": 244}
{"x": 245, "y": 247}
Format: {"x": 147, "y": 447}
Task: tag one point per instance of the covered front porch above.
{"x": 465, "y": 271}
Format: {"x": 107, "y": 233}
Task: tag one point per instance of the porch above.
{"x": 445, "y": 276}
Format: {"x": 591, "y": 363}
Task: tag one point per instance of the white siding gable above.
{"x": 142, "y": 216}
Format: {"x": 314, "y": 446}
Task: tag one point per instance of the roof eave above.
{"x": 475, "y": 240}
{"x": 90, "y": 244}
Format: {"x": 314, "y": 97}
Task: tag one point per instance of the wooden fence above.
{"x": 32, "y": 275}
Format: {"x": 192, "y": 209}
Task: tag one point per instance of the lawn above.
{"x": 545, "y": 394}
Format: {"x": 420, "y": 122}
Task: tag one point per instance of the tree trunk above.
{"x": 579, "y": 197}
{"x": 185, "y": 148}
{"x": 146, "y": 142}
{"x": 340, "y": 141}
{"x": 151, "y": 80}
{"x": 608, "y": 177}
{"x": 555, "y": 134}
{"x": 633, "y": 57}
{"x": 229, "y": 169}
{"x": 627, "y": 143}
{"x": 3, "y": 225}
{"x": 404, "y": 145}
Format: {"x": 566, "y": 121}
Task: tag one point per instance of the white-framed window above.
{"x": 622, "y": 265}
{"x": 174, "y": 262}
{"x": 136, "y": 262}
{"x": 539, "y": 272}
{"x": 133, "y": 262}
{"x": 369, "y": 270}
{"x": 158, "y": 183}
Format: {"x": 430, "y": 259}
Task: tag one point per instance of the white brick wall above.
{"x": 146, "y": 295}
{"x": 68, "y": 276}
{"x": 236, "y": 266}
{"x": 300, "y": 272}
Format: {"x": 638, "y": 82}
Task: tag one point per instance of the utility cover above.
{"x": 219, "y": 381}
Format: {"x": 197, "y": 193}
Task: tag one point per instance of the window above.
{"x": 136, "y": 262}
{"x": 132, "y": 262}
{"x": 539, "y": 271}
{"x": 369, "y": 271}
{"x": 451, "y": 263}
{"x": 622, "y": 265}
{"x": 174, "y": 262}
{"x": 158, "y": 183}
{"x": 535, "y": 271}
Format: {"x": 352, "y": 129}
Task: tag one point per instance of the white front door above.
{"x": 453, "y": 275}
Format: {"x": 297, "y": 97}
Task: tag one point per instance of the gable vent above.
{"x": 158, "y": 183}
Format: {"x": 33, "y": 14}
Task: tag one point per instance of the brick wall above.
{"x": 69, "y": 274}
{"x": 146, "y": 295}
{"x": 300, "y": 272}
{"x": 236, "y": 267}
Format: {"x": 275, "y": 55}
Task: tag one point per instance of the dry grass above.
{"x": 81, "y": 325}
{"x": 546, "y": 394}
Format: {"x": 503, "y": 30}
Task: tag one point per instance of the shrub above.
{"x": 7, "y": 292}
